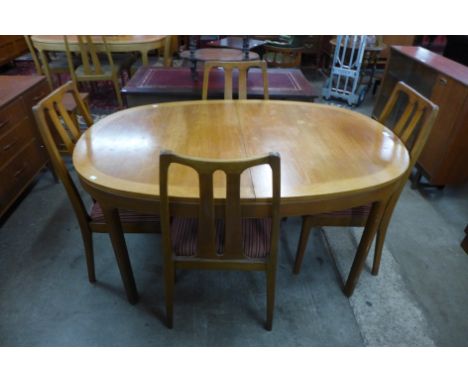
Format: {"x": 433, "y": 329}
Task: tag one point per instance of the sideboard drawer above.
{"x": 18, "y": 173}
{"x": 11, "y": 114}
{"x": 22, "y": 154}
{"x": 33, "y": 96}
{"x": 14, "y": 140}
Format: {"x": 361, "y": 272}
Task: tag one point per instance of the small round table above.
{"x": 331, "y": 159}
{"x": 216, "y": 54}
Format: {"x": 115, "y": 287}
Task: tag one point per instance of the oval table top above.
{"x": 326, "y": 152}
{"x": 116, "y": 43}
{"x": 114, "y": 39}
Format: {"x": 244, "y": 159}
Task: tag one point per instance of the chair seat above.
{"x": 61, "y": 63}
{"x": 256, "y": 237}
{"x": 105, "y": 67}
{"x": 360, "y": 211}
{"x": 126, "y": 216}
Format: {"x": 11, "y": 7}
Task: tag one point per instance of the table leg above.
{"x": 193, "y": 62}
{"x": 144, "y": 57}
{"x": 368, "y": 235}
{"x": 167, "y": 52}
{"x": 112, "y": 218}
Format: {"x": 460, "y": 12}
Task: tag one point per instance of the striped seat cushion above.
{"x": 126, "y": 216}
{"x": 355, "y": 211}
{"x": 256, "y": 237}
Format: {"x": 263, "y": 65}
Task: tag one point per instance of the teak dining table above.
{"x": 116, "y": 44}
{"x": 331, "y": 159}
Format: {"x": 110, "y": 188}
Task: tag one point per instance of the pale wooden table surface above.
{"x": 331, "y": 158}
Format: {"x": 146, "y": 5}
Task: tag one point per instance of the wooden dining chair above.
{"x": 51, "y": 115}
{"x": 56, "y": 66}
{"x": 410, "y": 115}
{"x": 216, "y": 235}
{"x": 94, "y": 67}
{"x": 228, "y": 67}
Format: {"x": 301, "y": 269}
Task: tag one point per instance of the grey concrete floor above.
{"x": 418, "y": 299}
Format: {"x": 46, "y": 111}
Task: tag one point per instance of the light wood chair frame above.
{"x": 92, "y": 65}
{"x": 228, "y": 67}
{"x": 39, "y": 64}
{"x": 50, "y": 113}
{"x": 413, "y": 128}
{"x": 208, "y": 210}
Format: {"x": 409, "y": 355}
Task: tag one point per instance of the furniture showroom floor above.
{"x": 418, "y": 299}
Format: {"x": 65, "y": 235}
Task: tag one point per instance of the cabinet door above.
{"x": 450, "y": 96}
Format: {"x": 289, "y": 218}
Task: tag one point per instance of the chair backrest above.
{"x": 34, "y": 56}
{"x": 231, "y": 214}
{"x": 50, "y": 113}
{"x": 229, "y": 66}
{"x": 282, "y": 57}
{"x": 92, "y": 62}
{"x": 412, "y": 116}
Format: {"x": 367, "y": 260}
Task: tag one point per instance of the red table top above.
{"x": 282, "y": 83}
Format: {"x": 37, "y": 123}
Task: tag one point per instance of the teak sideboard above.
{"x": 444, "y": 160}
{"x": 22, "y": 154}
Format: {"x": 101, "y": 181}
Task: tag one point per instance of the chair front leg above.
{"x": 373, "y": 222}
{"x": 169, "y": 281}
{"x": 112, "y": 218}
{"x": 271, "y": 286}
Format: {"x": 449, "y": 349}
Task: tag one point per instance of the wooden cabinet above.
{"x": 22, "y": 154}
{"x": 444, "y": 160}
{"x": 11, "y": 47}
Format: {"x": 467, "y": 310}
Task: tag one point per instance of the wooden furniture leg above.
{"x": 305, "y": 231}
{"x": 382, "y": 231}
{"x": 111, "y": 215}
{"x": 368, "y": 235}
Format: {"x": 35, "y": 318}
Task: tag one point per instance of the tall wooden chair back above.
{"x": 411, "y": 116}
{"x": 34, "y": 56}
{"x": 44, "y": 65}
{"x": 214, "y": 247}
{"x": 52, "y": 116}
{"x": 63, "y": 122}
{"x": 229, "y": 66}
{"x": 92, "y": 62}
{"x": 94, "y": 66}
{"x": 53, "y": 119}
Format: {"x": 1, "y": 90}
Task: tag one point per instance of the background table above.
{"x": 153, "y": 85}
{"x": 116, "y": 44}
{"x": 331, "y": 159}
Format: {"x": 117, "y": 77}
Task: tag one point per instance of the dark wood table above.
{"x": 215, "y": 54}
{"x": 236, "y": 42}
{"x": 153, "y": 85}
